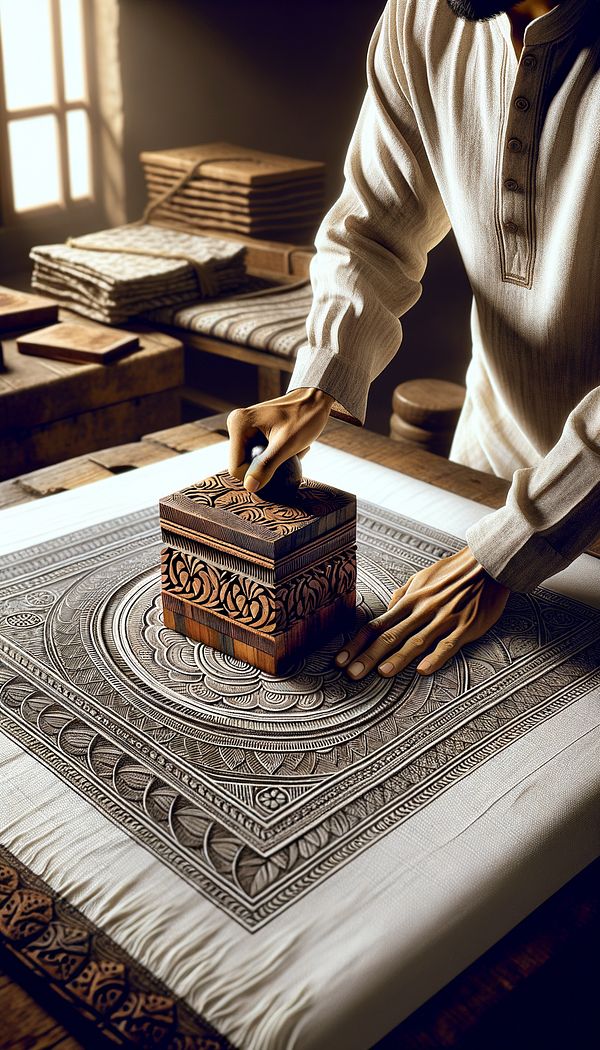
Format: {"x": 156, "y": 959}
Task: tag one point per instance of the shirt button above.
{"x": 530, "y": 61}
{"x": 511, "y": 184}
{"x": 515, "y": 145}
{"x": 511, "y": 227}
{"x": 522, "y": 103}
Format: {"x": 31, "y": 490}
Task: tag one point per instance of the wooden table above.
{"x": 275, "y": 261}
{"x": 545, "y": 963}
{"x": 52, "y": 410}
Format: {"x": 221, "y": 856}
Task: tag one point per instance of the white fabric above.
{"x": 456, "y": 132}
{"x": 357, "y": 954}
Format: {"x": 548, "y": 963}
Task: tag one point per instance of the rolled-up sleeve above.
{"x": 552, "y": 512}
{"x": 372, "y": 245}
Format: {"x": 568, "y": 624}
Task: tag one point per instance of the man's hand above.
{"x": 436, "y": 612}
{"x": 290, "y": 423}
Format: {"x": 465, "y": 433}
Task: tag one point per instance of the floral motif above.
{"x": 220, "y": 680}
{"x": 247, "y": 602}
{"x": 253, "y": 604}
{"x": 40, "y": 599}
{"x": 272, "y": 798}
{"x": 191, "y": 578}
{"x": 226, "y": 492}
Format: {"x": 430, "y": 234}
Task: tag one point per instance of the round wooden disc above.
{"x": 433, "y": 404}
{"x": 438, "y": 441}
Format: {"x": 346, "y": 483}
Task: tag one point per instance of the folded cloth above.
{"x": 273, "y": 319}
{"x": 115, "y": 274}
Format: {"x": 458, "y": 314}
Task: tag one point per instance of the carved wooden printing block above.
{"x": 265, "y": 582}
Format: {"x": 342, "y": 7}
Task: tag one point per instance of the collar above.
{"x": 552, "y": 25}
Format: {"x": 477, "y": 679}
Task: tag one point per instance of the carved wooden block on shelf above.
{"x": 265, "y": 582}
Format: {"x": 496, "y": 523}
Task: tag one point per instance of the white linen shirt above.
{"x": 456, "y": 131}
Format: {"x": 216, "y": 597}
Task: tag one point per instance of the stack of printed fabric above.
{"x": 219, "y": 186}
{"x": 116, "y": 274}
{"x": 272, "y": 319}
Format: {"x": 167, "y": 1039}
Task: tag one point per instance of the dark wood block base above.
{"x": 273, "y": 653}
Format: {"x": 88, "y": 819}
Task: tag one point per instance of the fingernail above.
{"x": 251, "y": 484}
{"x": 387, "y": 667}
{"x": 425, "y": 668}
{"x": 356, "y": 668}
{"x": 342, "y": 657}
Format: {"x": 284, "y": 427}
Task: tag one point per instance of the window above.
{"x": 46, "y": 108}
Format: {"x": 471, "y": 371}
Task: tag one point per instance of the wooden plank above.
{"x": 234, "y": 164}
{"x": 79, "y": 343}
{"x": 12, "y": 494}
{"x": 185, "y": 438}
{"x": 26, "y": 1025}
{"x": 202, "y": 399}
{"x": 426, "y": 466}
{"x": 134, "y": 454}
{"x": 62, "y": 477}
{"x": 86, "y": 432}
{"x": 22, "y": 310}
{"x": 217, "y": 423}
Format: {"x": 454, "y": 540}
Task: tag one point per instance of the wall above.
{"x": 281, "y": 76}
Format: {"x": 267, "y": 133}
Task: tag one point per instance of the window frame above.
{"x": 67, "y": 207}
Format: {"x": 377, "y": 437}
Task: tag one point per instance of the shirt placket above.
{"x": 515, "y": 217}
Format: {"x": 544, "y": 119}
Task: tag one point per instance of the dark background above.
{"x": 287, "y": 77}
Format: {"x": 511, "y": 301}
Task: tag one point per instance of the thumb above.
{"x": 263, "y": 467}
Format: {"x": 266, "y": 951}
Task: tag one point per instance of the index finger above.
{"x": 241, "y": 430}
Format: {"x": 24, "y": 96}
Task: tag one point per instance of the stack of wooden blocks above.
{"x": 235, "y": 190}
{"x": 264, "y": 582}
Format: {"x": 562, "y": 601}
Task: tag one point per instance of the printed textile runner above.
{"x": 263, "y": 799}
{"x": 273, "y": 319}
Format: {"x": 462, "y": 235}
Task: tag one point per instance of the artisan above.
{"x": 482, "y": 116}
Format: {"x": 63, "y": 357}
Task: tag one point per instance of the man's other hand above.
{"x": 290, "y": 424}
{"x": 435, "y": 613}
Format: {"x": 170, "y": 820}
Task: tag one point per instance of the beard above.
{"x": 479, "y": 10}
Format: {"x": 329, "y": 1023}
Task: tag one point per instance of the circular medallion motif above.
{"x": 23, "y": 619}
{"x": 41, "y": 599}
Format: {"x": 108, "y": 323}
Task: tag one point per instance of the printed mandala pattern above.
{"x": 255, "y": 788}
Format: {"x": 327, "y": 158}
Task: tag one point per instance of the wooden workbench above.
{"x": 550, "y": 954}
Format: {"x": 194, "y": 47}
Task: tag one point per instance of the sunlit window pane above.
{"x": 34, "y": 162}
{"x": 27, "y": 53}
{"x": 78, "y": 139}
{"x": 73, "y": 50}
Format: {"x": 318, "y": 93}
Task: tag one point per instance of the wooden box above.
{"x": 264, "y": 582}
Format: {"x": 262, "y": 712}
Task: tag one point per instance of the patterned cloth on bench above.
{"x": 273, "y": 319}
